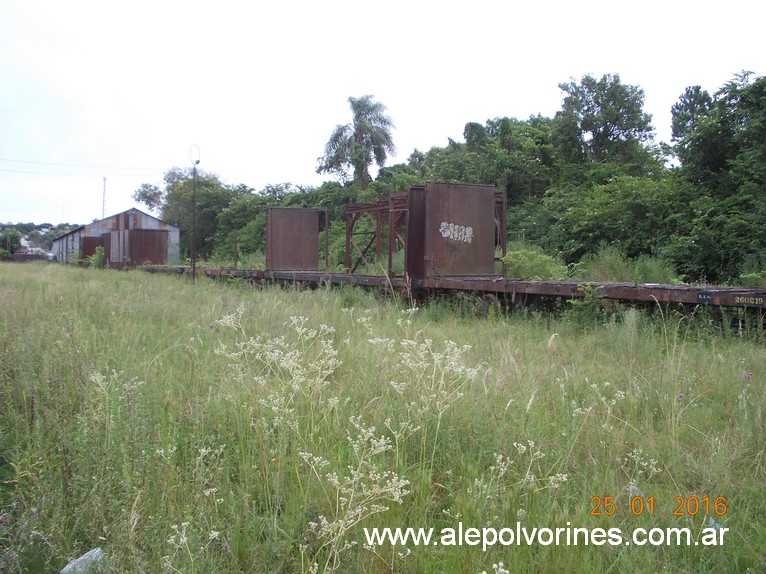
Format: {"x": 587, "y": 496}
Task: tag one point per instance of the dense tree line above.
{"x": 592, "y": 175}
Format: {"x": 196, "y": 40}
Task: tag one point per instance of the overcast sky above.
{"x": 123, "y": 90}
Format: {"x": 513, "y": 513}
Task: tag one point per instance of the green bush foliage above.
{"x": 525, "y": 261}
{"x": 753, "y": 280}
{"x": 98, "y": 259}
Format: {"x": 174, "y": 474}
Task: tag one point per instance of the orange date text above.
{"x": 646, "y": 505}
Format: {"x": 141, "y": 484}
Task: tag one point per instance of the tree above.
{"x": 356, "y": 145}
{"x": 150, "y": 195}
{"x": 510, "y": 154}
{"x": 521, "y": 157}
{"x": 745, "y": 102}
{"x": 692, "y": 116}
{"x": 723, "y": 175}
{"x": 10, "y": 241}
{"x": 243, "y": 220}
{"x": 694, "y": 104}
{"x": 174, "y": 203}
{"x": 603, "y": 121}
{"x": 475, "y": 136}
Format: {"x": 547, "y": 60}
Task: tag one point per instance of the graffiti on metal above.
{"x": 456, "y": 232}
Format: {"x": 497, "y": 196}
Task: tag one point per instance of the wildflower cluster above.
{"x": 437, "y": 378}
{"x": 526, "y": 472}
{"x": 353, "y": 496}
{"x": 186, "y": 547}
{"x": 489, "y": 486}
{"x": 534, "y": 456}
{"x": 636, "y": 465}
{"x": 304, "y": 365}
{"x": 607, "y": 399}
{"x": 498, "y": 568}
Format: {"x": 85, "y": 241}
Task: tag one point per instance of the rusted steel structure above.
{"x": 444, "y": 228}
{"x": 451, "y": 235}
{"x": 292, "y": 238}
{"x": 128, "y": 238}
{"x": 387, "y": 219}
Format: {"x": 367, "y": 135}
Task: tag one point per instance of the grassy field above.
{"x": 218, "y": 428}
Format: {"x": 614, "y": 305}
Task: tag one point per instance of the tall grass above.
{"x": 222, "y": 428}
{"x": 608, "y": 263}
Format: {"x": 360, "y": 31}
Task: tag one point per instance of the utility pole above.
{"x": 103, "y": 201}
{"x": 195, "y": 161}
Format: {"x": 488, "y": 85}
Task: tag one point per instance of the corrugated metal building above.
{"x": 128, "y": 238}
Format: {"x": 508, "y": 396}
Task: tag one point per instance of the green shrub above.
{"x": 529, "y": 262}
{"x": 606, "y": 264}
{"x": 752, "y": 280}
{"x": 98, "y": 259}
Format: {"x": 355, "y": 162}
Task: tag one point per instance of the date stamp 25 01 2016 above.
{"x": 640, "y": 505}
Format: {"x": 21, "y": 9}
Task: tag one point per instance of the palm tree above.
{"x": 356, "y": 145}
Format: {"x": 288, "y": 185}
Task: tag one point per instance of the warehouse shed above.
{"x": 128, "y": 238}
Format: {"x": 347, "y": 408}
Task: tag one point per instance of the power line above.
{"x": 145, "y": 174}
{"x": 86, "y": 166}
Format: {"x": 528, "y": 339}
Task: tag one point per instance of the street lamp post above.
{"x": 193, "y": 243}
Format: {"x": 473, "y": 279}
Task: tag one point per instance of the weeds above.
{"x": 220, "y": 429}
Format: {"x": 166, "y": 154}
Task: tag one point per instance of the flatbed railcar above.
{"x": 450, "y": 234}
{"x": 517, "y": 292}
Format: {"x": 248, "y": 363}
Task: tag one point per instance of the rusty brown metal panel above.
{"x": 148, "y": 245}
{"x": 415, "y": 243}
{"x": 89, "y": 245}
{"x": 459, "y": 229}
{"x": 501, "y": 227}
{"x": 106, "y": 241}
{"x": 292, "y": 239}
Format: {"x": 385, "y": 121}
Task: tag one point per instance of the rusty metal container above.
{"x": 450, "y": 230}
{"x": 292, "y": 238}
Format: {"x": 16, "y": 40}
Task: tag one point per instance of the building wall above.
{"x": 113, "y": 233}
{"x": 67, "y": 248}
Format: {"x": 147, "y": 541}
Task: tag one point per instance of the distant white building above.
{"x": 128, "y": 238}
